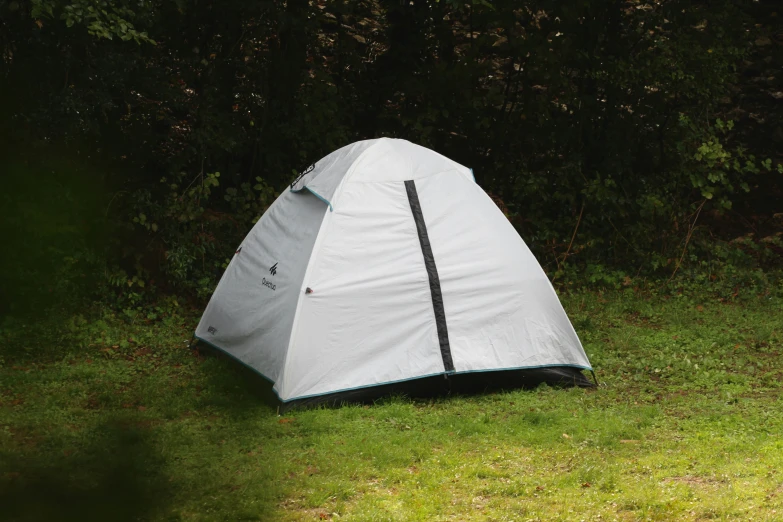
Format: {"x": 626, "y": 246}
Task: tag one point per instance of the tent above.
{"x": 386, "y": 267}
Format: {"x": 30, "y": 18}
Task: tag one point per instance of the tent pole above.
{"x": 596, "y": 380}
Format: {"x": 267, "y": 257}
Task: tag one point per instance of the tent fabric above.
{"x": 254, "y": 305}
{"x": 385, "y": 262}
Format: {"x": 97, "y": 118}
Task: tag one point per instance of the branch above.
{"x": 578, "y": 221}
{"x": 687, "y": 240}
{"x": 573, "y": 236}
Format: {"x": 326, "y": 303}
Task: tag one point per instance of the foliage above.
{"x": 197, "y": 256}
{"x": 101, "y": 18}
{"x": 125, "y": 422}
{"x": 615, "y": 134}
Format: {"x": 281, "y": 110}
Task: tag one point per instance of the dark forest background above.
{"x": 626, "y": 140}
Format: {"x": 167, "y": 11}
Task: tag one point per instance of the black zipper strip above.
{"x": 432, "y": 273}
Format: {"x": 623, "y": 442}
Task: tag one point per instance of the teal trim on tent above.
{"x": 577, "y": 366}
{"x": 437, "y": 374}
{"x": 472, "y": 175}
{"x": 240, "y": 361}
{"x": 366, "y": 386}
{"x": 316, "y": 194}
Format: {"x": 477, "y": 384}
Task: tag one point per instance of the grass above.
{"x": 102, "y": 420}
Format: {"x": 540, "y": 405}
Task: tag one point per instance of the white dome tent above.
{"x": 386, "y": 267}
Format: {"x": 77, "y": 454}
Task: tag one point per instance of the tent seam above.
{"x": 323, "y": 231}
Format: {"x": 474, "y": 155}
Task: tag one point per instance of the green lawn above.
{"x": 102, "y": 420}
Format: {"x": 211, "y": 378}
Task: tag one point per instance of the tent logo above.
{"x": 273, "y": 269}
{"x": 300, "y": 176}
{"x": 268, "y": 284}
{"x": 212, "y": 330}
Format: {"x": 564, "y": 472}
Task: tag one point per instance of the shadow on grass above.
{"x": 118, "y": 476}
{"x": 239, "y": 387}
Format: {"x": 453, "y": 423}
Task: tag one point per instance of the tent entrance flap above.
{"x": 432, "y": 273}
